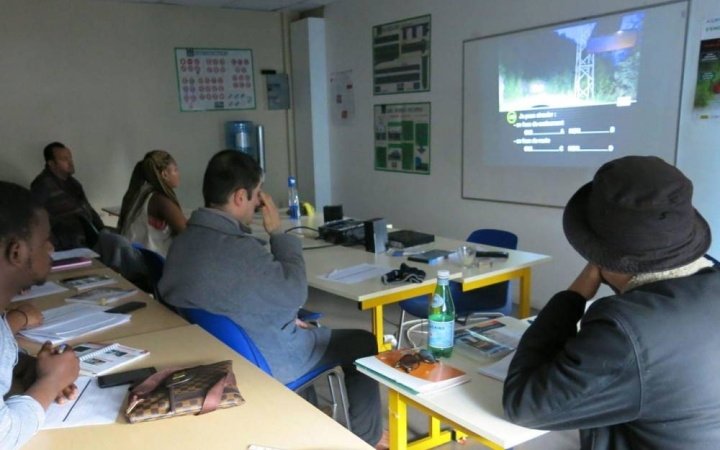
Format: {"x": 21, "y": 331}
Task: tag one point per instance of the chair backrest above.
{"x": 496, "y": 238}
{"x": 230, "y": 333}
{"x": 154, "y": 261}
{"x": 118, "y": 253}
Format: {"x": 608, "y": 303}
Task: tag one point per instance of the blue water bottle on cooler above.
{"x": 293, "y": 200}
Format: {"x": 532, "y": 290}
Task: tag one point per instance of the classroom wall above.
{"x": 433, "y": 203}
{"x": 99, "y": 76}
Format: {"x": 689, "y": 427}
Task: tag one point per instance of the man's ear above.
{"x": 17, "y": 252}
{"x": 239, "y": 197}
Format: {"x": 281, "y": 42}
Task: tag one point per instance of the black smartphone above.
{"x": 491, "y": 254}
{"x": 126, "y": 308}
{"x": 129, "y": 377}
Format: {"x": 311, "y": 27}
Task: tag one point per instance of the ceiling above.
{"x": 253, "y": 5}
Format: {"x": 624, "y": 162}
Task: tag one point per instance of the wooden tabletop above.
{"x": 272, "y": 416}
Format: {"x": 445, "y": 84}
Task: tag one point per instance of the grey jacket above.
{"x": 641, "y": 374}
{"x": 217, "y": 266}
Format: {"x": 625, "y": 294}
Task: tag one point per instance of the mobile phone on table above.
{"x": 129, "y": 377}
{"x": 491, "y": 254}
{"x": 126, "y": 308}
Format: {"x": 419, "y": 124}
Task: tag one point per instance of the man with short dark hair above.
{"x": 71, "y": 216}
{"x": 641, "y": 373}
{"x": 25, "y": 250}
{"x": 218, "y": 266}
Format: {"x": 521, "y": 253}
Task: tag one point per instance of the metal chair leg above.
{"x": 400, "y": 328}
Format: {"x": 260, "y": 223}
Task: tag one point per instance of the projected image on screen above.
{"x": 594, "y": 63}
{"x": 550, "y": 105}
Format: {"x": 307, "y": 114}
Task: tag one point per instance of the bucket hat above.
{"x": 636, "y": 216}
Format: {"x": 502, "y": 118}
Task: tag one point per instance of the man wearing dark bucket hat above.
{"x": 642, "y": 372}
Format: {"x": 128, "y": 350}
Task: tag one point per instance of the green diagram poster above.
{"x": 402, "y": 137}
{"x": 401, "y": 56}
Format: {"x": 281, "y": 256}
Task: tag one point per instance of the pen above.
{"x": 61, "y": 349}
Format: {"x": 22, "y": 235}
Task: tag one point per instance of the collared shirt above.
{"x": 20, "y": 415}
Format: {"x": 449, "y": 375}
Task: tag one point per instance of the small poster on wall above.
{"x": 402, "y": 137}
{"x": 401, "y": 56}
{"x": 343, "y": 97}
{"x": 215, "y": 79}
{"x": 707, "y": 89}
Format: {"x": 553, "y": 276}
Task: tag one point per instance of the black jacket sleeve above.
{"x": 564, "y": 379}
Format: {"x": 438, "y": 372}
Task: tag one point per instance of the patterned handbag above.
{"x": 180, "y": 391}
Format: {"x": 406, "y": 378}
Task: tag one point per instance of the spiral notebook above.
{"x": 97, "y": 358}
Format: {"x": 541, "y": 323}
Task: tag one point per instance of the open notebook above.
{"x": 73, "y": 321}
{"x": 97, "y": 358}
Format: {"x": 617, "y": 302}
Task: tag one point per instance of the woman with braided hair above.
{"x": 151, "y": 214}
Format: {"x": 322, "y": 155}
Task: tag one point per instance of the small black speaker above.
{"x": 332, "y": 213}
{"x": 375, "y": 235}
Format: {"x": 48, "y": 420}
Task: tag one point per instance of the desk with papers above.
{"x": 372, "y": 295}
{"x": 473, "y": 408}
{"x": 272, "y": 416}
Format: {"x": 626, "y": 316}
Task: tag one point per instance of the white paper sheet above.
{"x": 75, "y": 253}
{"x": 72, "y": 321}
{"x": 93, "y": 406}
{"x": 48, "y": 288}
{"x": 356, "y": 274}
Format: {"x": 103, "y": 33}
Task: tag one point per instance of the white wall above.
{"x": 433, "y": 203}
{"x": 100, "y": 77}
{"x": 699, "y": 143}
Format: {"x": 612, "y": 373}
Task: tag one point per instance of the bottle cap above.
{"x": 443, "y": 274}
{"x": 291, "y": 182}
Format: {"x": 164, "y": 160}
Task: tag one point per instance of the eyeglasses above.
{"x": 411, "y": 361}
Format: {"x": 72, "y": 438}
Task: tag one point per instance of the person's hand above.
{"x": 59, "y": 370}
{"x": 271, "y": 217}
{"x": 34, "y": 316}
{"x": 69, "y": 393}
{"x": 301, "y": 324}
{"x": 587, "y": 282}
{"x": 24, "y": 291}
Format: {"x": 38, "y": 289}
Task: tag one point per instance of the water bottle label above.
{"x": 441, "y": 334}
{"x": 437, "y": 301}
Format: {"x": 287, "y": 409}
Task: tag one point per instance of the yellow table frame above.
{"x": 376, "y": 304}
{"x": 398, "y": 403}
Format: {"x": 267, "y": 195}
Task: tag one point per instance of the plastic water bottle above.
{"x": 441, "y": 316}
{"x": 293, "y": 200}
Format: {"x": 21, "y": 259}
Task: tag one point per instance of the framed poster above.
{"x": 215, "y": 79}
{"x": 402, "y": 137}
{"x": 401, "y": 56}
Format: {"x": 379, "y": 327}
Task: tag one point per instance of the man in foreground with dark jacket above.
{"x": 642, "y": 371}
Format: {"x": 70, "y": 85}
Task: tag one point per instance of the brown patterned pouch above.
{"x": 180, "y": 391}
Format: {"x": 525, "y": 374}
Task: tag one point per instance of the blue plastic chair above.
{"x": 491, "y": 300}
{"x": 233, "y": 335}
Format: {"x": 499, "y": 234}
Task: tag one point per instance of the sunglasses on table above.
{"x": 411, "y": 361}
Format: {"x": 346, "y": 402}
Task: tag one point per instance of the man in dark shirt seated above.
{"x": 642, "y": 370}
{"x": 72, "y": 219}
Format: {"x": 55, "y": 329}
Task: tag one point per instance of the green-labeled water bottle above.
{"x": 441, "y": 316}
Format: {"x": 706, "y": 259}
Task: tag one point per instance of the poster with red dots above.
{"x": 215, "y": 79}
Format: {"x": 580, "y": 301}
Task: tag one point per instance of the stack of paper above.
{"x": 75, "y": 253}
{"x": 72, "y": 321}
{"x": 356, "y": 274}
{"x": 48, "y": 288}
